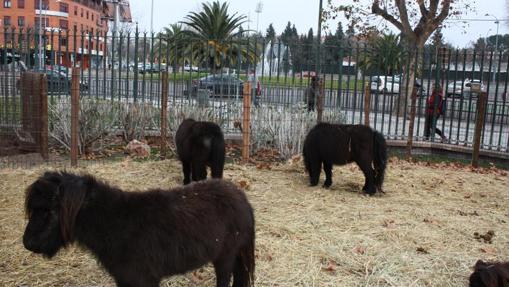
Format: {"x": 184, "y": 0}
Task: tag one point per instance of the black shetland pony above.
{"x": 490, "y": 274}
{"x": 311, "y": 93}
{"x": 331, "y": 144}
{"x": 140, "y": 237}
{"x": 200, "y": 144}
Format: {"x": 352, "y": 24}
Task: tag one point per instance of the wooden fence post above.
{"x": 481, "y": 109}
{"x": 75, "y": 110}
{"x": 367, "y": 103}
{"x": 43, "y": 121}
{"x": 164, "y": 112}
{"x": 246, "y": 122}
{"x": 319, "y": 100}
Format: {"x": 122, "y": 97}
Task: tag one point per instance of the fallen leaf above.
{"x": 389, "y": 223}
{"x": 359, "y": 249}
{"x": 244, "y": 184}
{"x": 488, "y": 250}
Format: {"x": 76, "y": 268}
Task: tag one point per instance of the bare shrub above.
{"x": 97, "y": 118}
{"x": 134, "y": 119}
{"x": 285, "y": 127}
{"x": 272, "y": 126}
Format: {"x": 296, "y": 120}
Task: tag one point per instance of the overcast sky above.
{"x": 304, "y": 14}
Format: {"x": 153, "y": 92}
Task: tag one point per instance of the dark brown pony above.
{"x": 490, "y": 274}
{"x": 140, "y": 237}
{"x": 332, "y": 144}
{"x": 311, "y": 93}
{"x": 200, "y": 144}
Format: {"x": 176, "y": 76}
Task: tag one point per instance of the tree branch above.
{"x": 422, "y": 7}
{"x": 446, "y": 6}
{"x": 403, "y": 15}
{"x": 383, "y": 13}
{"x": 433, "y": 6}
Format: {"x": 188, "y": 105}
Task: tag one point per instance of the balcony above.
{"x": 51, "y": 13}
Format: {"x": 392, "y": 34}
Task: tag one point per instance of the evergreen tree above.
{"x": 286, "y": 36}
{"x": 270, "y": 35}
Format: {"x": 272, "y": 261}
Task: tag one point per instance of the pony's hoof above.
{"x": 327, "y": 185}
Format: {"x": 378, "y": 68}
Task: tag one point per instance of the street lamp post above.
{"x": 496, "y": 41}
{"x": 41, "y": 61}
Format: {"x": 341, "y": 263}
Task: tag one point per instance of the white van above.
{"x": 385, "y": 84}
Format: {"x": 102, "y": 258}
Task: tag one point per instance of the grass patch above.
{"x": 448, "y": 159}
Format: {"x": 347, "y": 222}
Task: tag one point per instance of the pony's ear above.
{"x": 479, "y": 264}
{"x": 72, "y": 195}
{"x": 42, "y": 190}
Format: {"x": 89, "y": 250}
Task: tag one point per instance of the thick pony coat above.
{"x": 200, "y": 144}
{"x": 490, "y": 274}
{"x": 332, "y": 144}
{"x": 140, "y": 237}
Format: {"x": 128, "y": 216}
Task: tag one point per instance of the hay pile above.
{"x": 420, "y": 233}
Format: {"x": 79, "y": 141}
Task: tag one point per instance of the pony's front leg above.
{"x": 314, "y": 173}
{"x": 186, "y": 168}
{"x": 199, "y": 171}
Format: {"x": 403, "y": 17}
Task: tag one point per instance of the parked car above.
{"x": 385, "y": 84}
{"x": 460, "y": 88}
{"x": 188, "y": 68}
{"x": 391, "y": 84}
{"x": 151, "y": 68}
{"x": 220, "y": 85}
{"x": 306, "y": 74}
{"x": 58, "y": 82}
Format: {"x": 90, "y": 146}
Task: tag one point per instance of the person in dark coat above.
{"x": 430, "y": 107}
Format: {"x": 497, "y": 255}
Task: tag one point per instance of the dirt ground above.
{"x": 427, "y": 230}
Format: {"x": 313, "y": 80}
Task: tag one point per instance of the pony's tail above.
{"x": 217, "y": 150}
{"x": 380, "y": 158}
{"x": 245, "y": 264}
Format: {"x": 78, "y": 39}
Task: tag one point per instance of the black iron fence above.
{"x": 126, "y": 67}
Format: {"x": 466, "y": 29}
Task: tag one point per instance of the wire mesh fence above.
{"x": 120, "y": 86}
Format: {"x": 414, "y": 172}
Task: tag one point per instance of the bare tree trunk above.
{"x": 407, "y": 86}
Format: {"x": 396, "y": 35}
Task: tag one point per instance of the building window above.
{"x": 7, "y": 20}
{"x": 81, "y": 12}
{"x": 64, "y": 7}
{"x": 7, "y": 4}
{"x": 21, "y": 3}
{"x": 75, "y": 10}
{"x": 63, "y": 41}
{"x": 45, "y": 22}
{"x": 21, "y": 21}
{"x": 45, "y": 4}
{"x": 92, "y": 16}
{"x": 87, "y": 14}
{"x": 64, "y": 24}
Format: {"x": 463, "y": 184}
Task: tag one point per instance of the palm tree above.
{"x": 213, "y": 37}
{"x": 169, "y": 45}
{"x": 387, "y": 56}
